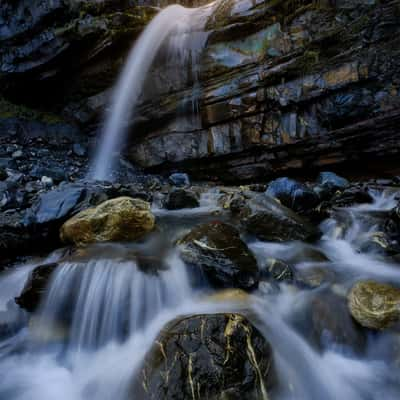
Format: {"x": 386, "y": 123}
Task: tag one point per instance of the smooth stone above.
{"x": 374, "y": 305}
{"x": 179, "y": 179}
{"x": 181, "y": 198}
{"x": 218, "y": 251}
{"x": 332, "y": 180}
{"x": 292, "y": 194}
{"x": 119, "y": 219}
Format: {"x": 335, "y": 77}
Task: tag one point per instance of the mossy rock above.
{"x": 120, "y": 219}
{"x": 374, "y": 305}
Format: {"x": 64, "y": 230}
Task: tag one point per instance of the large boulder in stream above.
{"x": 375, "y": 305}
{"x": 293, "y": 194}
{"x": 35, "y": 287}
{"x": 119, "y": 219}
{"x": 265, "y": 218}
{"x": 216, "y": 248}
{"x": 219, "y": 357}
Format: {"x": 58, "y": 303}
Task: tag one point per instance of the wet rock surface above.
{"x": 375, "y": 305}
{"x": 216, "y": 356}
{"x": 268, "y": 220}
{"x": 216, "y": 248}
{"x": 119, "y": 219}
{"x": 181, "y": 198}
{"x": 35, "y": 288}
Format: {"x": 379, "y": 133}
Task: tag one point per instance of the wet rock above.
{"x": 313, "y": 277}
{"x": 216, "y": 248}
{"x": 179, "y": 179}
{"x": 35, "y": 287}
{"x": 181, "y": 198}
{"x": 79, "y": 150}
{"x": 351, "y": 196}
{"x": 3, "y": 174}
{"x": 332, "y": 323}
{"x": 220, "y": 356}
{"x": 292, "y": 194}
{"x": 120, "y": 219}
{"x": 333, "y": 181}
{"x": 374, "y": 305}
{"x": 278, "y": 270}
{"x": 56, "y": 173}
{"x": 55, "y": 206}
{"x": 268, "y": 220}
{"x": 379, "y": 243}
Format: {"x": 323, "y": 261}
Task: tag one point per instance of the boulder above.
{"x": 374, "y": 305}
{"x": 179, "y": 179}
{"x": 119, "y": 219}
{"x": 181, "y": 198}
{"x": 268, "y": 220}
{"x": 216, "y": 248}
{"x": 333, "y": 181}
{"x": 293, "y": 194}
{"x": 219, "y": 356}
{"x": 35, "y": 287}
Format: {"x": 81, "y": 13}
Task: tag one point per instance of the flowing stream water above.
{"x": 101, "y": 315}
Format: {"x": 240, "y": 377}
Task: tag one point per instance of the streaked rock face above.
{"x": 120, "y": 219}
{"x": 374, "y": 305}
{"x": 280, "y": 92}
{"x": 215, "y": 356}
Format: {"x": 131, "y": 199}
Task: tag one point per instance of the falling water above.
{"x": 173, "y": 19}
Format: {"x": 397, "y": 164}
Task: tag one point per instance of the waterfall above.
{"x": 173, "y": 19}
{"x": 103, "y": 300}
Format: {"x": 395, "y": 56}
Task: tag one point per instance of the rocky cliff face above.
{"x": 282, "y": 86}
{"x": 289, "y": 86}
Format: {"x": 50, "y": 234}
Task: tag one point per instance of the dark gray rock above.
{"x": 267, "y": 219}
{"x": 217, "y": 250}
{"x": 331, "y": 180}
{"x": 222, "y": 356}
{"x": 181, "y": 198}
{"x": 293, "y": 194}
{"x": 179, "y": 179}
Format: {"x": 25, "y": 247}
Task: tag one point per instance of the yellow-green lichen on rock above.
{"x": 120, "y": 219}
{"x": 374, "y": 305}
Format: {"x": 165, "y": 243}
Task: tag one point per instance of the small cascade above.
{"x": 104, "y": 301}
{"x": 184, "y": 49}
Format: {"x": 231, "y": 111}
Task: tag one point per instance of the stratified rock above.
{"x": 374, "y": 305}
{"x": 216, "y": 248}
{"x": 217, "y": 357}
{"x": 281, "y": 94}
{"x": 181, "y": 198}
{"x": 120, "y": 219}
{"x": 265, "y": 218}
{"x": 35, "y": 287}
{"x": 293, "y": 194}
